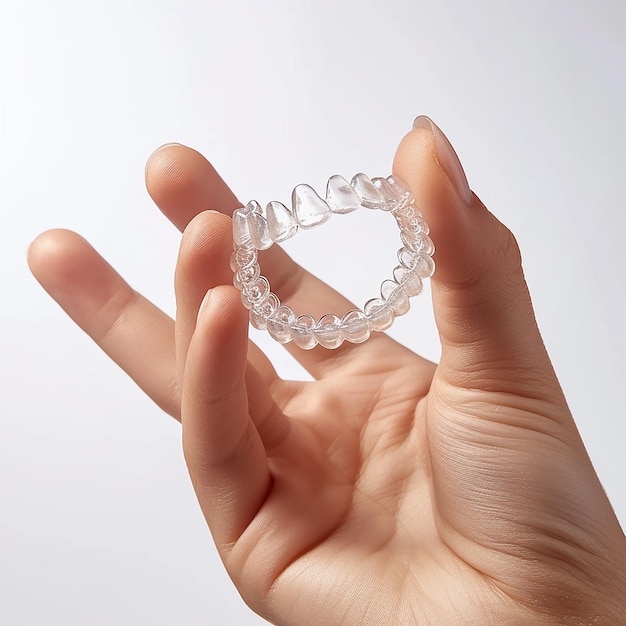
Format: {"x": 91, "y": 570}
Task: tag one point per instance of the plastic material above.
{"x": 254, "y": 230}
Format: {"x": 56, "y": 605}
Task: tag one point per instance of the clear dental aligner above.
{"x": 255, "y": 229}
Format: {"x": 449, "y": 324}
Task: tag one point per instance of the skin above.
{"x": 390, "y": 490}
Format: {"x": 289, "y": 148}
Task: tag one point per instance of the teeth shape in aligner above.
{"x": 401, "y": 189}
{"x": 370, "y": 196}
{"x": 340, "y": 196}
{"x": 259, "y": 234}
{"x": 241, "y": 232}
{"x": 390, "y": 198}
{"x": 241, "y": 223}
{"x": 281, "y": 223}
{"x": 308, "y": 208}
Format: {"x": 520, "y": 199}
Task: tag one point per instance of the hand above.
{"x": 390, "y": 490}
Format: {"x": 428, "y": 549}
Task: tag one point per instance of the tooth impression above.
{"x": 257, "y": 227}
{"x": 370, "y": 196}
{"x": 280, "y": 222}
{"x": 309, "y": 209}
{"x": 340, "y": 196}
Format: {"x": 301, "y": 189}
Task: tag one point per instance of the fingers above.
{"x": 482, "y": 305}
{"x": 223, "y": 449}
{"x": 183, "y": 184}
{"x": 204, "y": 263}
{"x": 133, "y": 332}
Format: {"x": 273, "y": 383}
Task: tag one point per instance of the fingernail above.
{"x": 447, "y": 158}
{"x": 204, "y": 304}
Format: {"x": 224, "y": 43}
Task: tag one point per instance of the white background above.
{"x": 98, "y": 522}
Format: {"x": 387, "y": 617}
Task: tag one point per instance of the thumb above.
{"x": 483, "y": 311}
{"x": 514, "y": 492}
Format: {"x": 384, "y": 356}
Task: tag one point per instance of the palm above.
{"x": 352, "y": 493}
{"x": 347, "y": 493}
{"x": 387, "y": 490}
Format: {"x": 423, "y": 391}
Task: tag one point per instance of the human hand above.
{"x": 388, "y": 490}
